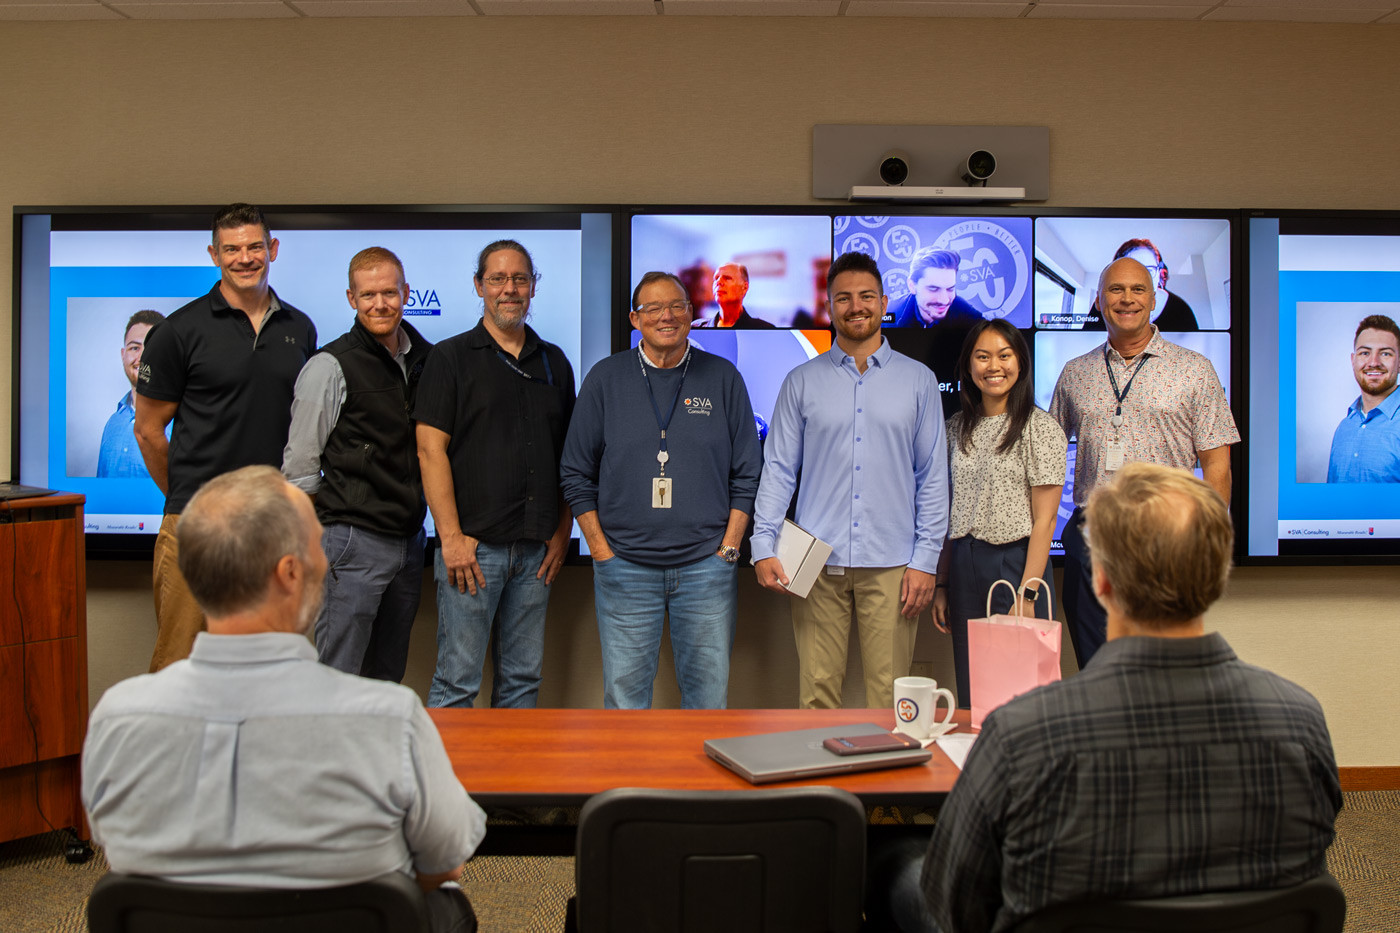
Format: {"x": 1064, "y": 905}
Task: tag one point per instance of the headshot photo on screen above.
{"x": 1187, "y": 258}
{"x": 100, "y": 374}
{"x": 1328, "y": 386}
{"x": 745, "y": 272}
{"x": 945, "y": 273}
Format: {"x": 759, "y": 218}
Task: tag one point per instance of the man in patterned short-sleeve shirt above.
{"x": 1172, "y": 411}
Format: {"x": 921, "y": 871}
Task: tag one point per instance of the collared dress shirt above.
{"x": 118, "y": 454}
{"x": 870, "y": 451}
{"x": 251, "y": 764}
{"x": 1366, "y": 445}
{"x": 1174, "y": 408}
{"x": 1166, "y": 767}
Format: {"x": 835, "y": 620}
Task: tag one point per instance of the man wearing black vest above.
{"x": 351, "y": 447}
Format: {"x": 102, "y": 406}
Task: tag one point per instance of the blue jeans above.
{"x": 511, "y": 607}
{"x": 633, "y": 602}
{"x": 373, "y": 586}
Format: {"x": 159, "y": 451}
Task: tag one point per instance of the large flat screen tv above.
{"x": 82, "y": 273}
{"x": 942, "y": 269}
{"x": 1323, "y": 455}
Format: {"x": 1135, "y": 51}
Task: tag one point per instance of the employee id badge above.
{"x": 661, "y": 492}
{"x": 1114, "y": 456}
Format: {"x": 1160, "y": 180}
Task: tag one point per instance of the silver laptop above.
{"x": 790, "y": 756}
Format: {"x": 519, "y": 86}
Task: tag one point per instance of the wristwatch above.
{"x": 1030, "y": 593}
{"x": 729, "y": 555}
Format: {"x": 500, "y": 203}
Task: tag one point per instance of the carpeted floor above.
{"x": 40, "y": 892}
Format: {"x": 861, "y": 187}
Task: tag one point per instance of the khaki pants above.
{"x": 821, "y": 624}
{"x": 178, "y": 617}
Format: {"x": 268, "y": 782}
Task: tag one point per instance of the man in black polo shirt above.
{"x": 222, "y": 368}
{"x": 352, "y": 448}
{"x": 492, "y": 410}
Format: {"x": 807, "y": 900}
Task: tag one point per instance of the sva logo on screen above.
{"x": 423, "y": 301}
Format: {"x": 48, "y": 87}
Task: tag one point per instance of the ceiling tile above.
{"x": 212, "y": 9}
{"x": 1116, "y": 11}
{"x": 56, "y": 11}
{"x": 567, "y": 7}
{"x": 1087, "y": 7}
{"x": 986, "y": 9}
{"x": 752, "y": 7}
{"x": 326, "y": 8}
{"x": 1379, "y": 6}
{"x": 1254, "y": 14}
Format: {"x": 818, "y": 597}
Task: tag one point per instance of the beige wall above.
{"x": 681, "y": 110}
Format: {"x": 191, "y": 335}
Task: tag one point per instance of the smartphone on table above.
{"x": 872, "y": 742}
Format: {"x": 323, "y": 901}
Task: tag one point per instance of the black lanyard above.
{"x": 548, "y": 379}
{"x": 1113, "y": 381}
{"x": 663, "y": 425}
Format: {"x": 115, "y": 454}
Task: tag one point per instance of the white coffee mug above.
{"x": 915, "y": 702}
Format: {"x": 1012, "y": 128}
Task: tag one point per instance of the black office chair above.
{"x": 120, "y": 903}
{"x": 1315, "y": 906}
{"x": 760, "y": 861}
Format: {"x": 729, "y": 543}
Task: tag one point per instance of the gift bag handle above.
{"x": 1017, "y": 603}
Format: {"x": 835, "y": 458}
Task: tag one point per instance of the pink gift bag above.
{"x": 1008, "y": 655}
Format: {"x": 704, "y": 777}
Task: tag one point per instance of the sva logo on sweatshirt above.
{"x": 696, "y": 405}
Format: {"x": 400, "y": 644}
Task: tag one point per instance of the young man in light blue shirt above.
{"x": 863, "y": 426}
{"x": 119, "y": 455}
{"x": 1366, "y": 445}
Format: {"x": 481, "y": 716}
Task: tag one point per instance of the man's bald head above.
{"x": 234, "y": 532}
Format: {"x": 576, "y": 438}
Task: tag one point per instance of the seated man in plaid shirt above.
{"x": 1166, "y": 767}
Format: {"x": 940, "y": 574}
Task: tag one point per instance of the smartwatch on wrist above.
{"x": 1030, "y": 593}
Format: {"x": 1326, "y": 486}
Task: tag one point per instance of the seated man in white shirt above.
{"x": 252, "y": 764}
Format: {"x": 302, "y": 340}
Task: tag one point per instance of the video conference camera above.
{"x": 975, "y": 169}
{"x": 894, "y": 167}
{"x": 978, "y": 167}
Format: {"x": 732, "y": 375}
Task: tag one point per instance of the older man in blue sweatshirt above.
{"x": 660, "y": 467}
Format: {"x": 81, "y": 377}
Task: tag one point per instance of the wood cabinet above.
{"x": 43, "y": 664}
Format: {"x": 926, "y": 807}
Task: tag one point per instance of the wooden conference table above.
{"x": 561, "y": 757}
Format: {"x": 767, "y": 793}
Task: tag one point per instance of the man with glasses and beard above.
{"x": 492, "y": 409}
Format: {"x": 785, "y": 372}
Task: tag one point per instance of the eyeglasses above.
{"x": 519, "y": 280}
{"x": 677, "y": 308}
